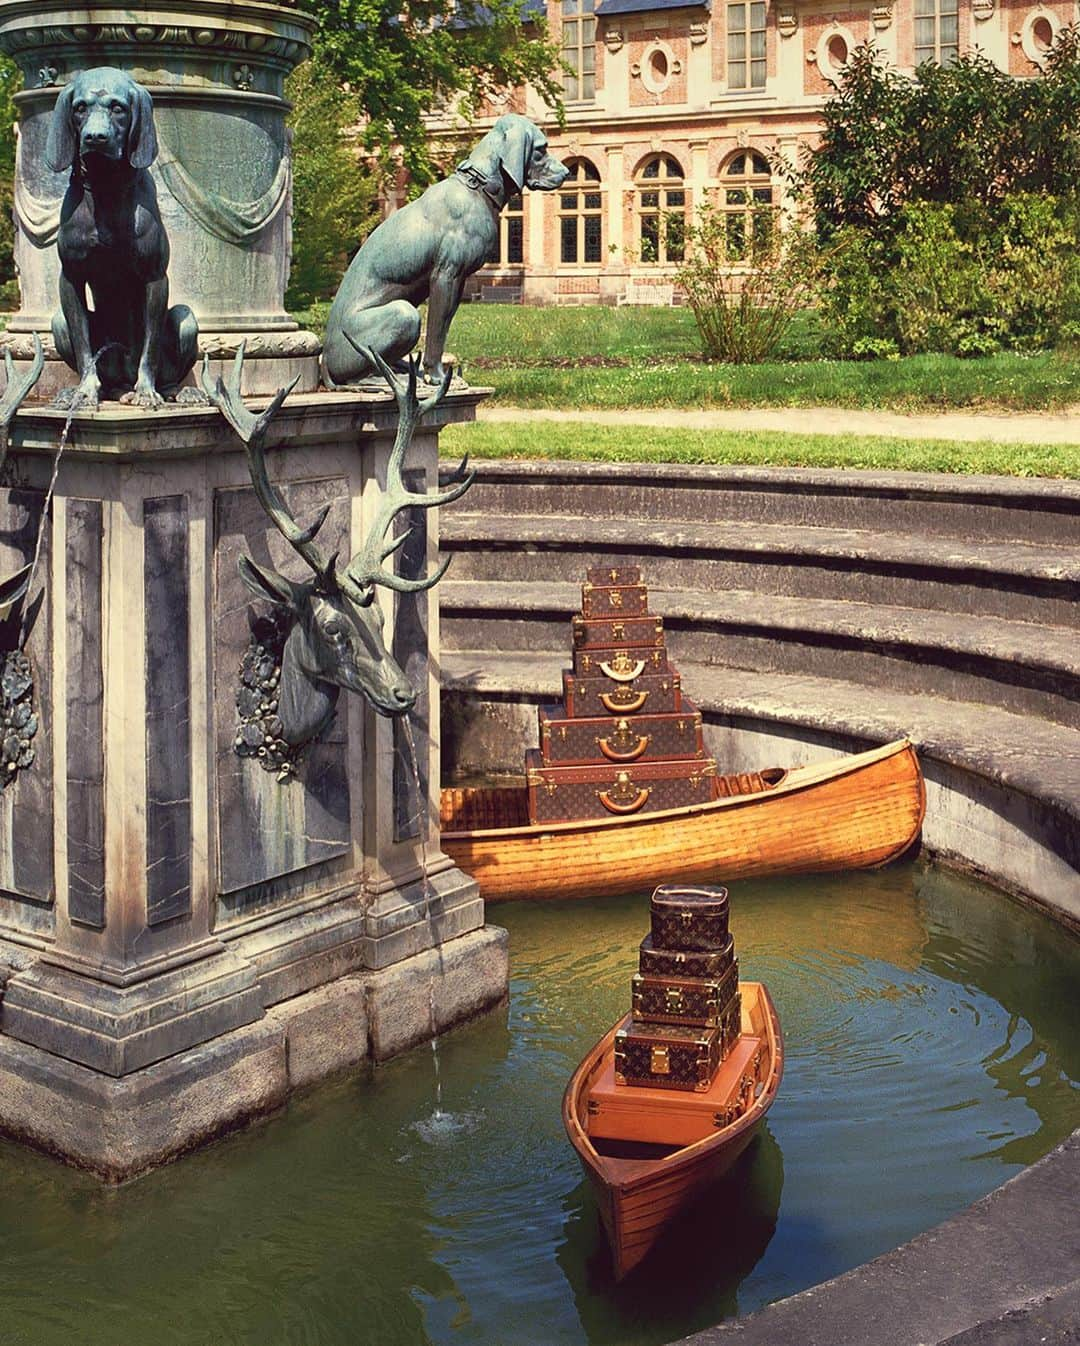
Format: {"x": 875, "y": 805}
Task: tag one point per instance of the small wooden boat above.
{"x": 857, "y": 812}
{"x": 641, "y": 1185}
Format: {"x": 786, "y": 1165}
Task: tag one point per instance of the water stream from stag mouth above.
{"x": 61, "y": 446}
{"x": 440, "y": 1125}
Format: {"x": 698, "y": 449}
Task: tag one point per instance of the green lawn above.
{"x": 649, "y": 357}
{"x": 644, "y": 444}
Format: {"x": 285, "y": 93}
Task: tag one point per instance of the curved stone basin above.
{"x": 933, "y": 1053}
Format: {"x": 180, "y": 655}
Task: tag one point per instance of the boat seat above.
{"x": 669, "y": 1116}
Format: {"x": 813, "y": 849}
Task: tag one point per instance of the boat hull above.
{"x": 854, "y": 813}
{"x": 638, "y": 1199}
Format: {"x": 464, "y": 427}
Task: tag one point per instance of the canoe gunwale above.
{"x": 796, "y": 780}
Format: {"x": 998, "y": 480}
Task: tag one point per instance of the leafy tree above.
{"x": 962, "y": 132}
{"x": 334, "y": 191}
{"x": 400, "y": 60}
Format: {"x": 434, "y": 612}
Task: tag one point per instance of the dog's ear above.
{"x": 517, "y": 146}
{"x": 142, "y": 137}
{"x": 60, "y": 146}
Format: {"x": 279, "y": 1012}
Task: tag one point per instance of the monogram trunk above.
{"x": 631, "y": 632}
{"x": 697, "y": 1001}
{"x": 620, "y": 663}
{"x": 583, "y": 741}
{"x": 564, "y": 793}
{"x": 614, "y": 600}
{"x": 601, "y": 695}
{"x": 667, "y": 1056}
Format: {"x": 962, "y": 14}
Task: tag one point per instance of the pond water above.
{"x": 933, "y": 1050}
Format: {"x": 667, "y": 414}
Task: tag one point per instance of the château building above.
{"x": 670, "y": 104}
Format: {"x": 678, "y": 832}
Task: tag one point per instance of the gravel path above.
{"x": 1001, "y": 427}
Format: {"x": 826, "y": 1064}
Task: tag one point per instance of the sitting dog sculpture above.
{"x": 427, "y": 250}
{"x": 131, "y": 345}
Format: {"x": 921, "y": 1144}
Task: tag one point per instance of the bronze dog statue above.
{"x": 427, "y": 250}
{"x": 131, "y": 345}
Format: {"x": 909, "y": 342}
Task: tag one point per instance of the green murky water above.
{"x": 933, "y": 1050}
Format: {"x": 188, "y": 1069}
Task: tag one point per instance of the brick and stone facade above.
{"x": 714, "y": 94}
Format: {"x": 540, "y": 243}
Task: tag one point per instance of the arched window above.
{"x": 580, "y": 214}
{"x": 748, "y": 203}
{"x": 579, "y": 50}
{"x": 937, "y": 31}
{"x": 661, "y": 209}
{"x": 509, "y": 249}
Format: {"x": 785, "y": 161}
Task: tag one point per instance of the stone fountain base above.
{"x": 185, "y": 935}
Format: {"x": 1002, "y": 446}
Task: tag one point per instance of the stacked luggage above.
{"x": 625, "y": 740}
{"x": 686, "y": 1006}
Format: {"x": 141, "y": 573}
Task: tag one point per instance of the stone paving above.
{"x": 1000, "y": 427}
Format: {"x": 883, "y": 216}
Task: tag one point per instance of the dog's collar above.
{"x": 477, "y": 182}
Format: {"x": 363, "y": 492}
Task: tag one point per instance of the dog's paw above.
{"x": 79, "y": 398}
{"x": 149, "y": 398}
{"x": 191, "y": 397}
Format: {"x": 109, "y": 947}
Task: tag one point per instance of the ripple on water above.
{"x": 932, "y": 1049}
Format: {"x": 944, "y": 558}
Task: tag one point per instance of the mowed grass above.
{"x": 649, "y": 357}
{"x": 644, "y": 444}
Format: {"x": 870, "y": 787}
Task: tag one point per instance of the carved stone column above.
{"x": 216, "y": 73}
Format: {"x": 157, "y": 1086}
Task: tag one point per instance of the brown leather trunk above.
{"x": 653, "y": 693}
{"x": 654, "y": 962}
{"x": 577, "y": 742}
{"x": 614, "y": 600}
{"x": 668, "y": 1056}
{"x": 684, "y": 1000}
{"x": 618, "y": 574}
{"x": 621, "y": 663}
{"x": 689, "y": 918}
{"x": 566, "y": 793}
{"x": 619, "y": 631}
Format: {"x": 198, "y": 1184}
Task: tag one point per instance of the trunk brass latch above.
{"x": 659, "y": 1064}
{"x": 673, "y": 997}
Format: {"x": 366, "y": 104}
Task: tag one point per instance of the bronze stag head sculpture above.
{"x": 337, "y": 636}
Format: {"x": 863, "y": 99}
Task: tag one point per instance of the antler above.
{"x": 18, "y": 389}
{"x": 365, "y": 570}
{"x": 252, "y": 430}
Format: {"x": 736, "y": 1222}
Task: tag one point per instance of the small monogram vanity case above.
{"x": 633, "y": 738}
{"x": 621, "y": 631}
{"x": 666, "y": 1056}
{"x": 654, "y": 962}
{"x": 696, "y": 1001}
{"x": 567, "y": 793}
{"x": 691, "y": 919}
{"x": 599, "y": 695}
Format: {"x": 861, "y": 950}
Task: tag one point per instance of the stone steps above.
{"x": 1016, "y": 666}
{"x": 1022, "y": 581}
{"x": 919, "y": 505}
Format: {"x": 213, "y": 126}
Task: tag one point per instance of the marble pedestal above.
{"x": 183, "y": 936}
{"x": 223, "y": 176}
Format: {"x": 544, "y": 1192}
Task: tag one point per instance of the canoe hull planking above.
{"x": 857, "y": 812}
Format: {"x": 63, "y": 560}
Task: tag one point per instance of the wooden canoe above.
{"x": 638, "y": 1197}
{"x": 856, "y": 812}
